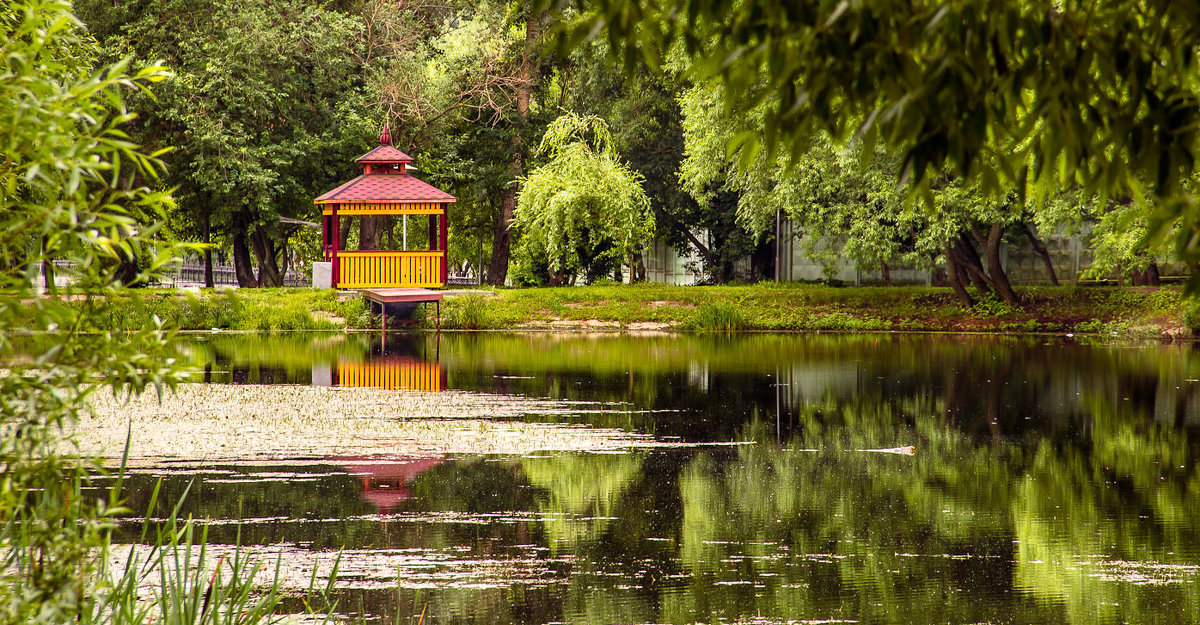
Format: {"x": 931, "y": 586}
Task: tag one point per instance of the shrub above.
{"x": 1191, "y": 315}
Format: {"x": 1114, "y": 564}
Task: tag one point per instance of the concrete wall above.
{"x": 1069, "y": 254}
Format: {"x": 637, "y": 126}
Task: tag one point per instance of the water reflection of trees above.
{"x": 1045, "y": 478}
{"x": 706, "y": 388}
{"x": 967, "y": 530}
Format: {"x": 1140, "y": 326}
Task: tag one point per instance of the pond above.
{"x": 807, "y": 479}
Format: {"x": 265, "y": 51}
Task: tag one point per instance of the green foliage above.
{"x": 256, "y": 310}
{"x": 71, "y": 184}
{"x": 1191, "y": 317}
{"x": 718, "y": 317}
{"x": 998, "y": 92}
{"x": 71, "y": 187}
{"x": 989, "y": 306}
{"x": 467, "y": 312}
{"x": 263, "y": 110}
{"x": 584, "y": 210}
{"x": 1031, "y": 98}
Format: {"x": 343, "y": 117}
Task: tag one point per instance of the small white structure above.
{"x": 322, "y": 275}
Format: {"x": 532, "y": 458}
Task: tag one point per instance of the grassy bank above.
{"x": 796, "y": 307}
{"x": 1140, "y": 311}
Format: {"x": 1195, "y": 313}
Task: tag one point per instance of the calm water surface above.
{"x": 1052, "y": 481}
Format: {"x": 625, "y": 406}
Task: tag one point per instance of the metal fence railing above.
{"x": 192, "y": 274}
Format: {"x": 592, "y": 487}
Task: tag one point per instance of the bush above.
{"x": 1191, "y": 315}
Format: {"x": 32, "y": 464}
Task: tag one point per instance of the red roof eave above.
{"x": 384, "y": 154}
{"x": 385, "y": 189}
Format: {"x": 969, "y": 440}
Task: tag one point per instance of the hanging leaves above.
{"x": 584, "y": 207}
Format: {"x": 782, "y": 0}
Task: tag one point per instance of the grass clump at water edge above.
{"x": 720, "y": 316}
{"x": 468, "y": 312}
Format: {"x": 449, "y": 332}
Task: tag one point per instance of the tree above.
{"x": 847, "y": 204}
{"x": 447, "y": 76}
{"x": 584, "y": 209}
{"x": 264, "y": 109}
{"x": 1028, "y": 95}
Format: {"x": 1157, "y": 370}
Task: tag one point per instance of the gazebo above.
{"x": 386, "y": 188}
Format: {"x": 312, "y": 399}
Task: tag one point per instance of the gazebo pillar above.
{"x": 442, "y": 232}
{"x": 337, "y": 235}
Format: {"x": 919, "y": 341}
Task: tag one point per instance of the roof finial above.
{"x": 386, "y": 137}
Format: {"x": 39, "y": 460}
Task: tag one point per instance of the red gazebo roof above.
{"x": 385, "y": 188}
{"x": 384, "y": 154}
{"x": 385, "y": 185}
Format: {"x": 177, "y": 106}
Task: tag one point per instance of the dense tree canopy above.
{"x": 1006, "y": 94}
{"x": 1010, "y": 122}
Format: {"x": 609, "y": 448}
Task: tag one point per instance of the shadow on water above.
{"x": 1053, "y": 482}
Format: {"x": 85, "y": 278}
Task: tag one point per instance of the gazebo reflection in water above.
{"x": 397, "y": 363}
{"x": 385, "y": 484}
{"x": 401, "y": 362}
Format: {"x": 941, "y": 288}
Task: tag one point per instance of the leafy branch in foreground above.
{"x": 72, "y": 187}
{"x": 1038, "y": 96}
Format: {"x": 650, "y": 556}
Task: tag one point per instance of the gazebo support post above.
{"x": 334, "y": 266}
{"x": 442, "y": 232}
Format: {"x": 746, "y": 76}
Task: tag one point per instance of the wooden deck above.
{"x": 383, "y": 297}
{"x": 392, "y": 296}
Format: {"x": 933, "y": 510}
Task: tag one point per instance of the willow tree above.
{"x": 584, "y": 210}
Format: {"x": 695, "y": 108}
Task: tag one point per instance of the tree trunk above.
{"x": 47, "y": 267}
{"x": 971, "y": 265}
{"x": 209, "y": 282}
{"x": 954, "y": 275}
{"x": 1041, "y": 251}
{"x": 265, "y": 254}
{"x": 710, "y": 261}
{"x": 999, "y": 277}
{"x": 502, "y": 236}
{"x": 1146, "y": 277}
{"x": 370, "y": 232}
{"x": 886, "y": 272}
{"x": 345, "y": 224}
{"x": 243, "y": 267}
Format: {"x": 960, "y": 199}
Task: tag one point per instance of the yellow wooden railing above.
{"x": 369, "y": 270}
{"x": 398, "y": 374}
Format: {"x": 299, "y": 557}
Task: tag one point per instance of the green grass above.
{"x": 1135, "y": 311}
{"x": 244, "y": 309}
{"x": 800, "y": 307}
{"x": 718, "y": 317}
